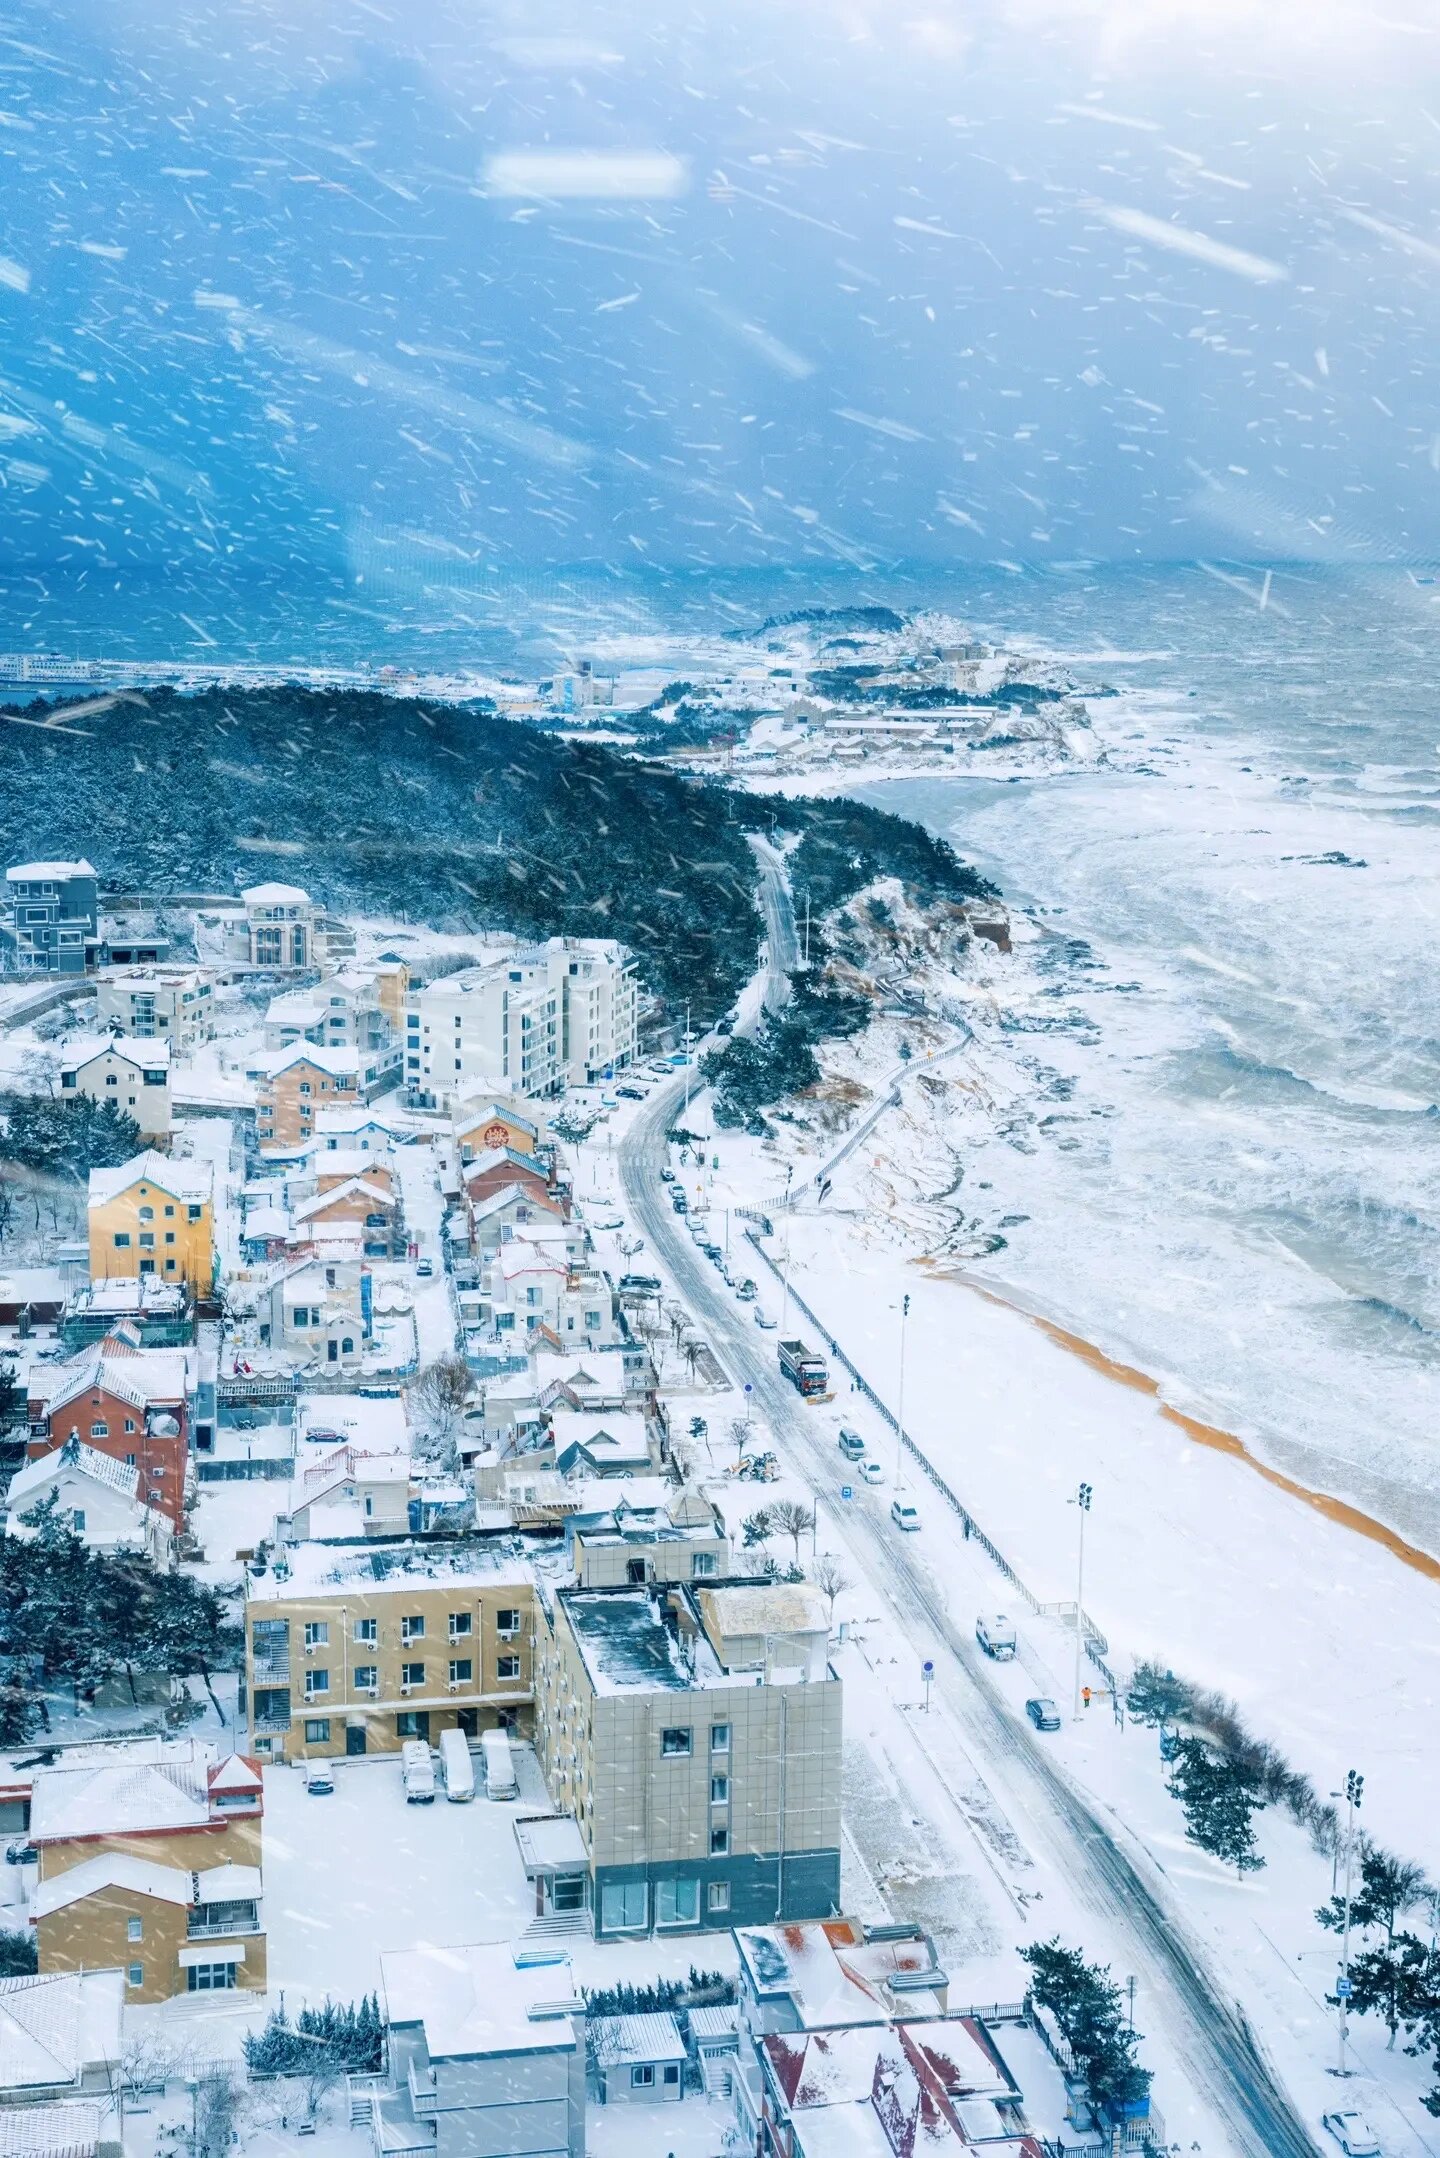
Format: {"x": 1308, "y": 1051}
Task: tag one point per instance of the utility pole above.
{"x": 1082, "y": 1502}
{"x": 1354, "y": 1789}
{"x": 900, "y": 1416}
{"x": 687, "y": 1056}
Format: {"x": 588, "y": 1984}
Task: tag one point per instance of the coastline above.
{"x": 1338, "y": 1511}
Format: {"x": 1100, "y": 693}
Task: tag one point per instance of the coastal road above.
{"x": 782, "y": 944}
{"x": 1207, "y": 2031}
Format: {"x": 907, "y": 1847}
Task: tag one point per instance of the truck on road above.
{"x": 808, "y": 1373}
{"x": 996, "y": 1635}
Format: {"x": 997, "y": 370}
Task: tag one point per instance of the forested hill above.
{"x": 439, "y": 815}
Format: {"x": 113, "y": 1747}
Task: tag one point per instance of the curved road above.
{"x": 1208, "y": 2032}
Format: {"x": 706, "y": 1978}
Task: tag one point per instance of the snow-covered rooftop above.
{"x": 628, "y": 1648}
{"x": 313, "y": 1568}
{"x": 477, "y": 2000}
{"x": 52, "y": 2027}
{"x": 146, "y": 1055}
{"x": 622, "y": 2041}
{"x": 190, "y": 1181}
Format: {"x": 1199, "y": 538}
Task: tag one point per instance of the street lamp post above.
{"x": 785, "y": 1262}
{"x": 1082, "y": 1504}
{"x": 900, "y": 1411}
{"x": 1354, "y": 1789}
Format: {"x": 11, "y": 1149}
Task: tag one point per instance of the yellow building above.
{"x": 291, "y": 1087}
{"x": 153, "y": 1215}
{"x": 150, "y": 1864}
{"x": 354, "y": 1651}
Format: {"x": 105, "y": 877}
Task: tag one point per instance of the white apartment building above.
{"x": 557, "y": 1014}
{"x": 173, "y": 1004}
{"x": 280, "y": 926}
{"x": 135, "y": 1076}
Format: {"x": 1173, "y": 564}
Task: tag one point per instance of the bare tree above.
{"x": 793, "y": 1520}
{"x": 149, "y": 2059}
{"x": 740, "y": 1429}
{"x": 218, "y": 2107}
{"x": 830, "y": 1577}
{"x": 692, "y": 1351}
{"x": 38, "y": 1072}
{"x": 436, "y": 1401}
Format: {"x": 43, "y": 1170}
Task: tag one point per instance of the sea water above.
{"x": 1241, "y": 1194}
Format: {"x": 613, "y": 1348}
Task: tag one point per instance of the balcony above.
{"x": 222, "y": 1921}
{"x": 208, "y": 1932}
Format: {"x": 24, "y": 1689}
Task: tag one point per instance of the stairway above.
{"x": 559, "y": 1926}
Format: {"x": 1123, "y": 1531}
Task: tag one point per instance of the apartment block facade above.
{"x": 280, "y": 927}
{"x": 558, "y": 1014}
{"x": 354, "y": 1651}
{"x": 694, "y": 1734}
{"x": 171, "y": 1004}
{"x": 293, "y": 1085}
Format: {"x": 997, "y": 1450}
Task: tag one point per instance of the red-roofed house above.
{"x": 130, "y": 1403}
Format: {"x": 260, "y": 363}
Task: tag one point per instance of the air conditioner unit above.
{"x": 310, "y": 1647}
{"x": 407, "y": 1689}
{"x": 455, "y": 1685}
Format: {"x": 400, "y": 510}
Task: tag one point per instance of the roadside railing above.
{"x": 1095, "y": 1643}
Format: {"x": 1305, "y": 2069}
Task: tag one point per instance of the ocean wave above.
{"x": 1232, "y": 1063}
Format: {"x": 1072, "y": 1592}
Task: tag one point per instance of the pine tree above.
{"x": 1155, "y": 1696}
{"x": 1087, "y": 2007}
{"x": 1220, "y": 1801}
{"x": 1388, "y": 1888}
{"x": 1394, "y": 1981}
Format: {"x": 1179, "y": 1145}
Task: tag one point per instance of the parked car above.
{"x": 319, "y": 1779}
{"x": 20, "y": 1852}
{"x": 1353, "y": 2133}
{"x": 713, "y": 1253}
{"x": 667, "y": 1176}
{"x": 852, "y": 1446}
{"x": 425, "y": 1269}
{"x": 679, "y": 1202}
{"x": 631, "y": 1093}
{"x": 639, "y": 1284}
{"x": 746, "y": 1291}
{"x": 904, "y": 1515}
{"x": 417, "y": 1771}
{"x": 1043, "y": 1713}
{"x": 871, "y": 1472}
{"x": 763, "y": 1318}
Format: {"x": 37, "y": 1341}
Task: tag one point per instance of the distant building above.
{"x": 562, "y": 1013}
{"x": 890, "y": 2090}
{"x": 52, "y": 923}
{"x": 134, "y": 1075}
{"x": 154, "y": 1215}
{"x": 59, "y": 2038}
{"x": 487, "y": 2055}
{"x": 292, "y": 1085}
{"x": 694, "y": 1736}
{"x": 174, "y": 1004}
{"x": 280, "y": 927}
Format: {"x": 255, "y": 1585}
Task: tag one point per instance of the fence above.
{"x": 1094, "y": 1641}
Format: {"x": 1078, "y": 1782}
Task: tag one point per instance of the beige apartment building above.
{"x": 694, "y": 1735}
{"x": 160, "y": 1003}
{"x": 293, "y": 1085}
{"x": 353, "y": 1651}
{"x": 133, "y": 1075}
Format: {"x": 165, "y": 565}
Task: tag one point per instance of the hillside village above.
{"x": 349, "y": 1334}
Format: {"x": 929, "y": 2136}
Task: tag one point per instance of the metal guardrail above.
{"x": 973, "y": 1531}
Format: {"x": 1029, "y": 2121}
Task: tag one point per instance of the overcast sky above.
{"x": 349, "y": 282}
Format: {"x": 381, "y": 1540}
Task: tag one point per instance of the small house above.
{"x": 638, "y": 2060}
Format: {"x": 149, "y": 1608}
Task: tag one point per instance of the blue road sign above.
{"x": 927, "y": 1669}
{"x": 1343, "y": 1989}
{"x": 847, "y": 1491}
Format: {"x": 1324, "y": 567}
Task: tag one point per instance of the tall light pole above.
{"x": 686, "y": 1046}
{"x": 1082, "y": 1504}
{"x": 1354, "y": 1789}
{"x": 900, "y": 1415}
{"x": 785, "y": 1262}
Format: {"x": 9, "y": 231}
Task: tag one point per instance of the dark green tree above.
{"x": 1389, "y": 1887}
{"x": 67, "y": 1138}
{"x": 1394, "y": 1980}
{"x": 1088, "y": 2009}
{"x": 1155, "y": 1696}
{"x": 18, "y": 1954}
{"x": 1220, "y": 1800}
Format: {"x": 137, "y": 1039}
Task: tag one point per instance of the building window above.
{"x": 507, "y": 1667}
{"x": 367, "y": 1629}
{"x": 461, "y": 1624}
{"x": 135, "y": 1976}
{"x": 211, "y": 1977}
{"x": 677, "y": 1903}
{"x": 675, "y": 1740}
{"x": 642, "y": 2076}
{"x": 717, "y": 1896}
{"x": 412, "y": 1629}
{"x": 122, "y": 1240}
{"x": 134, "y": 1929}
{"x": 413, "y": 1723}
{"x": 462, "y": 1670}
{"x": 703, "y": 1564}
{"x": 316, "y": 1682}
{"x": 99, "y": 1431}
{"x": 367, "y": 1677}
{"x": 719, "y": 1738}
{"x": 412, "y": 1674}
{"x": 624, "y": 1907}
{"x": 719, "y": 1790}
{"x": 507, "y": 1622}
{"x": 317, "y": 1633}
{"x": 317, "y": 1731}
{"x": 719, "y": 1842}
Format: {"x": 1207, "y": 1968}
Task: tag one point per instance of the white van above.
{"x": 418, "y": 1771}
{"x": 996, "y": 1635}
{"x": 456, "y": 1767}
{"x": 499, "y": 1765}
